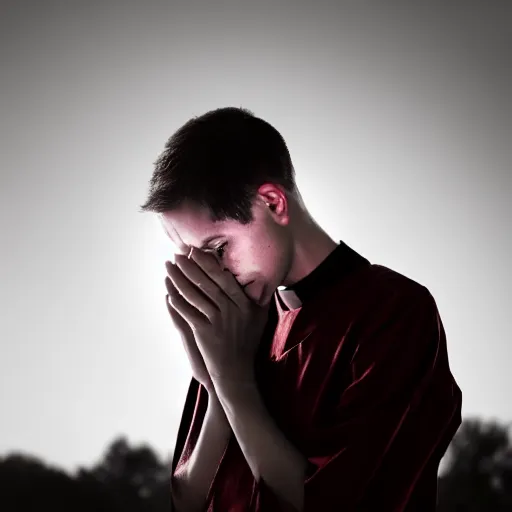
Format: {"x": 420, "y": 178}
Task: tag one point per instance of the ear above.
{"x": 273, "y": 195}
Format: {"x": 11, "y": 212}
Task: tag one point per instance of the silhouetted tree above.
{"x": 478, "y": 477}
{"x": 136, "y": 477}
{"x": 126, "y": 480}
{"x": 28, "y": 485}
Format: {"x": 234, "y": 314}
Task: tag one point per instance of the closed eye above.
{"x": 220, "y": 250}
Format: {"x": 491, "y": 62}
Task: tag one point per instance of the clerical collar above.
{"x": 341, "y": 261}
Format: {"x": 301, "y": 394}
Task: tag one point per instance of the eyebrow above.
{"x": 208, "y": 240}
{"x": 204, "y": 243}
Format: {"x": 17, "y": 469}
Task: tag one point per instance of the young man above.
{"x": 321, "y": 381}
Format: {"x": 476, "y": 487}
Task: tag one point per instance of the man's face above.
{"x": 256, "y": 254}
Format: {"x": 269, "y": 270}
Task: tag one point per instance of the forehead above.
{"x": 188, "y": 226}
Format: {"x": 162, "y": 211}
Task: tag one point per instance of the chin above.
{"x": 259, "y": 293}
{"x": 254, "y": 292}
{"x": 254, "y": 298}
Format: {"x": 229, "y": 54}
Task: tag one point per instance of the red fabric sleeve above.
{"x": 387, "y": 423}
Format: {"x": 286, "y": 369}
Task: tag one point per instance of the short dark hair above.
{"x": 218, "y": 161}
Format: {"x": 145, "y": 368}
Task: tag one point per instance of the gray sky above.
{"x": 398, "y": 122}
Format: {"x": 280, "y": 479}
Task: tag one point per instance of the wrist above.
{"x": 215, "y": 411}
{"x": 238, "y": 379}
{"x": 237, "y": 394}
{"x": 213, "y": 400}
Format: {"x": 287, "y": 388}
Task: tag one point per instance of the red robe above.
{"x": 358, "y": 379}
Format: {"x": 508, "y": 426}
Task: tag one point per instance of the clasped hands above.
{"x": 226, "y": 324}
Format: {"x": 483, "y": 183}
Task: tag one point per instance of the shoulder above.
{"x": 373, "y": 300}
{"x": 398, "y": 326}
{"x": 388, "y": 285}
{"x": 387, "y": 278}
{"x": 390, "y": 302}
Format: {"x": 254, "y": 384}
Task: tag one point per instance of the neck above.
{"x": 311, "y": 246}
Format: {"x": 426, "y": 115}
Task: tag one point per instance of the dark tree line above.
{"x": 128, "y": 479}
{"x": 479, "y": 477}
{"x": 134, "y": 479}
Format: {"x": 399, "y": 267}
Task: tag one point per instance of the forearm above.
{"x": 190, "y": 485}
{"x": 269, "y": 454}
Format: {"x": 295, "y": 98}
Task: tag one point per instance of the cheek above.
{"x": 268, "y": 264}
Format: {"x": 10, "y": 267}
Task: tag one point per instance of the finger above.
{"x": 202, "y": 281}
{"x": 179, "y": 322}
{"x": 184, "y": 329}
{"x": 222, "y": 278}
{"x": 193, "y": 294}
{"x": 187, "y": 338}
{"x": 194, "y": 317}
